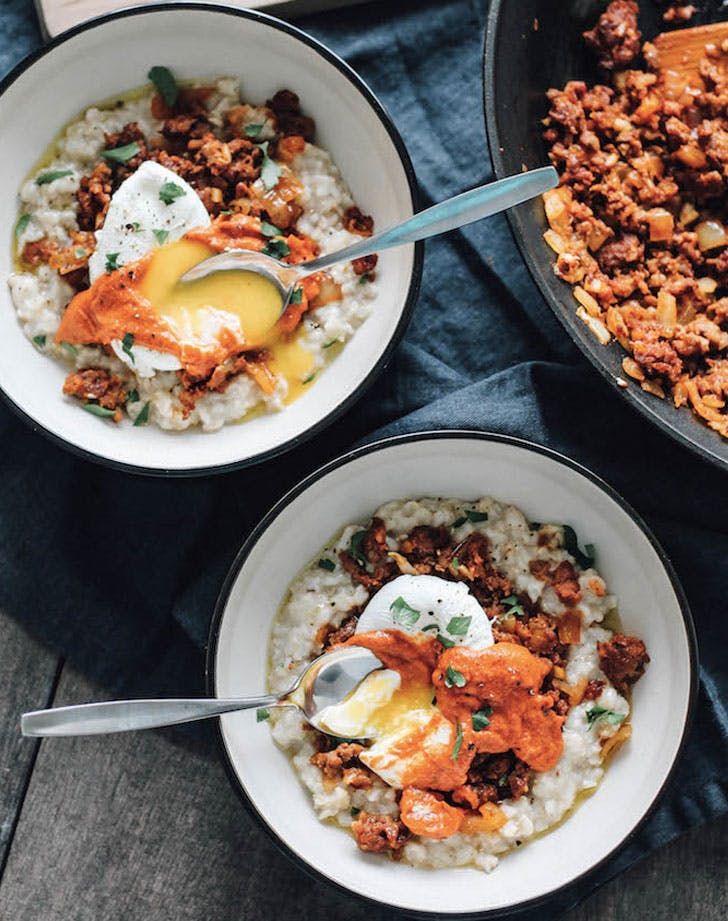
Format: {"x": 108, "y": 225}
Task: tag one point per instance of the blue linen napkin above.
{"x": 134, "y": 564}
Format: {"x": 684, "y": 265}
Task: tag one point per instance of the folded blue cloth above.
{"x": 134, "y": 564}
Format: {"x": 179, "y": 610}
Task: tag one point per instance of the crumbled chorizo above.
{"x": 623, "y": 660}
{"x": 376, "y": 833}
{"x": 96, "y": 385}
{"x": 616, "y": 38}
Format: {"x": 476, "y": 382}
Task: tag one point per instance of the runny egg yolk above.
{"x": 377, "y": 706}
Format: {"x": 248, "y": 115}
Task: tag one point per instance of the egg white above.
{"x": 382, "y": 758}
{"x": 436, "y": 602}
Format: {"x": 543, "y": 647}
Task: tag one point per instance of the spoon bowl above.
{"x": 327, "y": 680}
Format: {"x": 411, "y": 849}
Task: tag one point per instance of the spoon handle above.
{"x": 123, "y": 715}
{"x": 448, "y": 215}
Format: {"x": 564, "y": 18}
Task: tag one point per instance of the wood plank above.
{"x": 145, "y": 827}
{"x": 28, "y": 675}
{"x": 58, "y": 15}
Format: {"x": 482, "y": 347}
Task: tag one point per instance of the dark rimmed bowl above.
{"x": 547, "y": 487}
{"x": 530, "y": 46}
{"x": 107, "y": 56}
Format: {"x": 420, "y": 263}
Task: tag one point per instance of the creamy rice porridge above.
{"x": 505, "y": 690}
{"x": 132, "y": 194}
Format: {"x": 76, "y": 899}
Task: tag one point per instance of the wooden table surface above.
{"x": 145, "y": 827}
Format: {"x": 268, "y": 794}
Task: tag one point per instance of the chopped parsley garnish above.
{"x": 454, "y": 678}
{"x": 22, "y": 223}
{"x": 458, "y": 626}
{"x": 354, "y": 811}
{"x": 328, "y": 565}
{"x": 132, "y": 396}
{"x": 121, "y": 154}
{"x": 403, "y": 613}
{"x": 474, "y": 517}
{"x": 52, "y": 175}
{"x": 270, "y": 230}
{"x": 161, "y": 236}
{"x": 514, "y": 609}
{"x": 364, "y": 280}
{"x": 458, "y": 741}
{"x": 126, "y": 343}
{"x": 327, "y": 345}
{"x": 169, "y": 191}
{"x": 296, "y": 296}
{"x": 455, "y": 562}
{"x": 356, "y": 546}
{"x": 79, "y": 252}
{"x": 269, "y": 171}
{"x": 459, "y": 522}
{"x": 252, "y": 131}
{"x": 584, "y": 558}
{"x": 112, "y": 262}
{"x": 262, "y": 714}
{"x": 309, "y": 378}
{"x": 165, "y": 83}
{"x": 40, "y": 341}
{"x": 97, "y": 410}
{"x": 598, "y": 713}
{"x": 445, "y": 642}
{"x": 481, "y": 718}
{"x": 277, "y": 249}
{"x": 143, "y": 416}
{"x": 134, "y": 226}
{"x": 429, "y": 627}
{"x": 71, "y": 349}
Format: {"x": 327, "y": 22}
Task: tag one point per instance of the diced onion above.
{"x": 630, "y": 366}
{"x": 555, "y": 241}
{"x": 587, "y": 301}
{"x": 688, "y": 214}
{"x": 707, "y": 285}
{"x": 595, "y": 326}
{"x": 661, "y": 224}
{"x": 666, "y": 308}
{"x": 711, "y": 234}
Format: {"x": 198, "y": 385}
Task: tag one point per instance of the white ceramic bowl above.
{"x": 547, "y": 487}
{"x": 109, "y": 55}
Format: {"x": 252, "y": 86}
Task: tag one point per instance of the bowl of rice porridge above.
{"x": 539, "y": 672}
{"x": 130, "y": 156}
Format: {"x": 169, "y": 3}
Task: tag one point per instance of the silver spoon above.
{"x": 326, "y": 681}
{"x": 448, "y": 215}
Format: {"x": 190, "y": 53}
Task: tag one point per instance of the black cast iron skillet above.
{"x": 532, "y": 45}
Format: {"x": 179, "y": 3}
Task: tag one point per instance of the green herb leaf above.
{"x": 447, "y": 643}
{"x": 474, "y": 517}
{"x": 458, "y": 741}
{"x": 21, "y": 224}
{"x": 354, "y": 811}
{"x": 356, "y": 546}
{"x": 296, "y": 296}
{"x": 513, "y": 608}
{"x": 97, "y": 410}
{"x": 161, "y": 236}
{"x": 121, "y": 154}
{"x": 52, "y": 175}
{"x": 454, "y": 678}
{"x": 327, "y": 345}
{"x": 40, "y": 341}
{"x": 598, "y": 713}
{"x": 165, "y": 83}
{"x": 71, "y": 349}
{"x": 269, "y": 170}
{"x": 252, "y": 131}
{"x": 328, "y": 565}
{"x": 309, "y": 378}
{"x": 403, "y": 613}
{"x": 135, "y": 226}
{"x": 571, "y": 545}
{"x": 459, "y": 522}
{"x": 455, "y": 562}
{"x": 270, "y": 230}
{"x": 276, "y": 248}
{"x": 126, "y": 343}
{"x": 79, "y": 252}
{"x": 458, "y": 626}
{"x": 112, "y": 262}
{"x": 143, "y": 416}
{"x": 132, "y": 396}
{"x": 429, "y": 628}
{"x": 363, "y": 280}
{"x": 481, "y": 718}
{"x": 169, "y": 191}
{"x": 262, "y": 714}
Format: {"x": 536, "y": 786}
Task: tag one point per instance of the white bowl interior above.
{"x": 114, "y": 56}
{"x": 546, "y": 490}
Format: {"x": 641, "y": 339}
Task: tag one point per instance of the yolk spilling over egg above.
{"x": 426, "y": 748}
{"x": 204, "y": 323}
